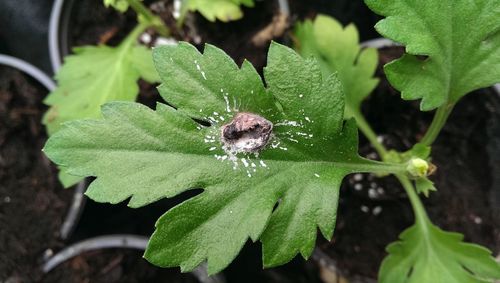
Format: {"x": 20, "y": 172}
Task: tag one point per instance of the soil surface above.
{"x": 373, "y": 212}
{"x": 32, "y": 203}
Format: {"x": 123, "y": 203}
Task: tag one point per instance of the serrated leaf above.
{"x": 424, "y": 186}
{"x": 94, "y": 76}
{"x": 67, "y": 180}
{"x": 426, "y": 253}
{"x": 338, "y": 50}
{"x": 460, "y": 38}
{"x": 223, "y": 10}
{"x": 147, "y": 155}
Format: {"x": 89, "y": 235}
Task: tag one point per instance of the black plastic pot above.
{"x": 116, "y": 242}
{"x": 29, "y": 69}
{"x": 25, "y": 26}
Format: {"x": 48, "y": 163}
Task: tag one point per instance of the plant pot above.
{"x": 77, "y": 201}
{"x": 119, "y": 265}
{"x": 25, "y": 26}
{"x": 32, "y": 202}
{"x": 374, "y": 211}
{"x": 223, "y": 34}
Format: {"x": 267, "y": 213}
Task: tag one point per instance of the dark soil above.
{"x": 373, "y": 212}
{"x": 235, "y": 38}
{"x": 114, "y": 266}
{"x": 106, "y": 26}
{"x": 32, "y": 203}
{"x": 345, "y": 11}
{"x": 110, "y": 27}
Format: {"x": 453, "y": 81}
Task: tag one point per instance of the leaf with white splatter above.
{"x": 144, "y": 155}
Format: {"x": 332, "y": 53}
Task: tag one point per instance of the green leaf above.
{"x": 119, "y": 5}
{"x": 460, "y": 39}
{"x": 68, "y": 180}
{"x": 94, "y": 76}
{"x": 338, "y": 50}
{"x": 223, "y": 10}
{"x": 418, "y": 150}
{"x": 426, "y": 253}
{"x": 424, "y": 186}
{"x": 145, "y": 155}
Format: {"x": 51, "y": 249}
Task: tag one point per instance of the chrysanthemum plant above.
{"x": 270, "y": 153}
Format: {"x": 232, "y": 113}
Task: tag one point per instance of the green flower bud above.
{"x": 417, "y": 167}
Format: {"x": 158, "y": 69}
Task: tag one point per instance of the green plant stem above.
{"x": 184, "y": 11}
{"x": 437, "y": 124}
{"x": 149, "y": 17}
{"x": 133, "y": 35}
{"x": 421, "y": 218}
{"x": 369, "y": 133}
{"x": 377, "y": 167}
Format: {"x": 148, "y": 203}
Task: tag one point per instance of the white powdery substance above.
{"x": 239, "y": 153}
{"x": 176, "y": 13}
{"x": 298, "y": 132}
{"x": 249, "y": 163}
{"x": 289, "y": 123}
{"x": 198, "y": 67}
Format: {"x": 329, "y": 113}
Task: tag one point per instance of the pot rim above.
{"x": 29, "y": 69}
{"x": 75, "y": 210}
{"x": 122, "y": 241}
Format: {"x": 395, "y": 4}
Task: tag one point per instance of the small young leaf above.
{"x": 119, "y": 5}
{"x": 223, "y": 10}
{"x": 145, "y": 155}
{"x": 94, "y": 76}
{"x": 460, "y": 39}
{"x": 426, "y": 253}
{"x": 337, "y": 50}
{"x": 418, "y": 150}
{"x": 424, "y": 186}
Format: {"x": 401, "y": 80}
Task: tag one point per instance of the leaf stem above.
{"x": 132, "y": 36}
{"x": 183, "y": 13}
{"x": 369, "y": 133}
{"x": 149, "y": 17}
{"x": 379, "y": 167}
{"x": 421, "y": 218}
{"x": 437, "y": 123}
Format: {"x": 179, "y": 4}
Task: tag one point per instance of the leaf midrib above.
{"x": 350, "y": 165}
